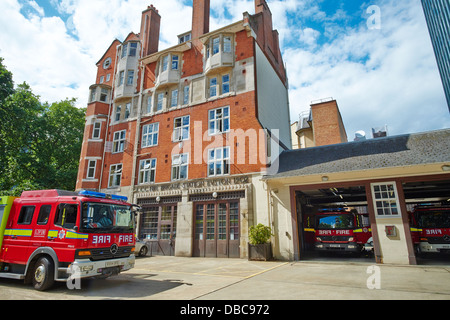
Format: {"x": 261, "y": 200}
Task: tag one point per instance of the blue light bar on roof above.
{"x": 95, "y": 194}
{"x": 333, "y": 210}
{"x": 120, "y": 198}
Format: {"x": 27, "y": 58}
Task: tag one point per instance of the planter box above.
{"x": 260, "y": 252}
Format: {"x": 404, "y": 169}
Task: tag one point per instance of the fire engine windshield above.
{"x": 335, "y": 221}
{"x": 106, "y": 217}
{"x": 434, "y": 219}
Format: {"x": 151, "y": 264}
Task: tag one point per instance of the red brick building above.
{"x": 187, "y": 132}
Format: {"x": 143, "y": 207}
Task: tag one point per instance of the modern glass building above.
{"x": 437, "y": 14}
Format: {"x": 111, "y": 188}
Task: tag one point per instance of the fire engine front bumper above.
{"x": 426, "y": 247}
{"x": 342, "y": 247}
{"x": 85, "y": 268}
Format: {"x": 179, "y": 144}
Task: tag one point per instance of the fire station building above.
{"x": 199, "y": 136}
{"x": 187, "y": 132}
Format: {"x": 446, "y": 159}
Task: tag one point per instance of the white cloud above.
{"x": 377, "y": 76}
{"x": 39, "y": 51}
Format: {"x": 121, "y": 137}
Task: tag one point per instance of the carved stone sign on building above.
{"x": 195, "y": 184}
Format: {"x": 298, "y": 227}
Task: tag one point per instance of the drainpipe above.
{"x": 109, "y": 117}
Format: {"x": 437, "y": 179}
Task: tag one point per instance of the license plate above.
{"x": 112, "y": 263}
{"x": 335, "y": 245}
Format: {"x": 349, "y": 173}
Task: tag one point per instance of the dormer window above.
{"x": 184, "y": 37}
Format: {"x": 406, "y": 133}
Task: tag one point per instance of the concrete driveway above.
{"x": 176, "y": 278}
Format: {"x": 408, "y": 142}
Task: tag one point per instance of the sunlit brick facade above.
{"x": 187, "y": 132}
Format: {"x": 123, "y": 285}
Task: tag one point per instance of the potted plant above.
{"x": 259, "y": 247}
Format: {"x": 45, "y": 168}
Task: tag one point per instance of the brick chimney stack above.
{"x": 150, "y": 27}
{"x": 200, "y": 18}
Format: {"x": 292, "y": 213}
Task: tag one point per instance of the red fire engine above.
{"x": 45, "y": 235}
{"x": 430, "y": 228}
{"x": 341, "y": 230}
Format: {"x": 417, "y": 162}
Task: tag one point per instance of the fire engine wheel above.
{"x": 43, "y": 274}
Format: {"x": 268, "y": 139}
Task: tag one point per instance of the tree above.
{"x": 40, "y": 143}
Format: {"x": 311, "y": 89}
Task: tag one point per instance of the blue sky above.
{"x": 387, "y": 75}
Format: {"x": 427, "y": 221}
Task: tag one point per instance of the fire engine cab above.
{"x": 341, "y": 230}
{"x": 45, "y": 235}
{"x": 430, "y": 228}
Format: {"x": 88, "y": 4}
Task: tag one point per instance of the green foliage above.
{"x": 259, "y": 234}
{"x": 40, "y": 143}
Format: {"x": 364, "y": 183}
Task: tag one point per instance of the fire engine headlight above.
{"x": 87, "y": 268}
{"x": 318, "y": 239}
{"x": 351, "y": 239}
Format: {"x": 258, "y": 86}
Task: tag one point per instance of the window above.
{"x": 165, "y": 61}
{"x": 107, "y": 63}
{"x": 130, "y": 77}
{"x": 385, "y": 199}
{"x": 216, "y": 45}
{"x": 119, "y": 141}
{"x": 127, "y": 110}
{"x": 96, "y": 130}
{"x": 147, "y": 171}
{"x": 227, "y": 44}
{"x": 184, "y": 38}
{"x": 186, "y": 95}
{"x": 180, "y": 166}
{"x": 219, "y": 120}
{"x": 93, "y": 91}
{"x": 213, "y": 87}
{"x": 133, "y": 49}
{"x": 118, "y": 111}
{"x": 174, "y": 100}
{"x": 115, "y": 175}
{"x": 91, "y": 169}
{"x": 160, "y": 101}
{"x": 149, "y": 104}
{"x": 102, "y": 79}
{"x": 26, "y": 215}
{"x": 219, "y": 161}
{"x": 66, "y": 215}
{"x": 103, "y": 95}
{"x": 150, "y": 135}
{"x": 175, "y": 62}
{"x": 121, "y": 77}
{"x": 222, "y": 43}
{"x": 225, "y": 83}
{"x": 124, "y": 50}
{"x": 149, "y": 230}
{"x": 219, "y": 85}
{"x": 181, "y": 128}
{"x": 108, "y": 77}
{"x": 44, "y": 213}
